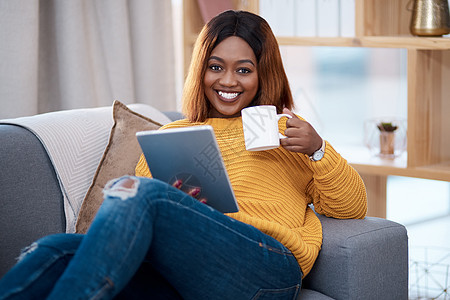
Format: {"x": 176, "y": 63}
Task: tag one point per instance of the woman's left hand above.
{"x": 301, "y": 136}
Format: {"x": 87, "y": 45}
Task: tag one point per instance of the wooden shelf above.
{"x": 433, "y": 172}
{"x": 398, "y": 42}
{"x": 366, "y": 162}
{"x": 438, "y": 171}
{"x": 421, "y": 172}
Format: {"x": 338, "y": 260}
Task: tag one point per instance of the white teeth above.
{"x": 228, "y": 95}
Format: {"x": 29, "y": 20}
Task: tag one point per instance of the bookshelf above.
{"x": 385, "y": 24}
{"x": 404, "y": 42}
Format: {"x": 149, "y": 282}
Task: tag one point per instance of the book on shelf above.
{"x": 305, "y": 18}
{"x": 279, "y": 14}
{"x": 327, "y": 18}
{"x": 310, "y": 18}
{"x": 347, "y": 18}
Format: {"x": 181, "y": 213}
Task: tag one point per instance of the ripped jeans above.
{"x": 151, "y": 240}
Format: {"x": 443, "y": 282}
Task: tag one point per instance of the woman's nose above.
{"x": 228, "y": 79}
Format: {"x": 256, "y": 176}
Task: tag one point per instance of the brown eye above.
{"x": 244, "y": 70}
{"x": 215, "y": 68}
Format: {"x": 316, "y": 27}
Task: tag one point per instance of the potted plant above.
{"x": 387, "y": 138}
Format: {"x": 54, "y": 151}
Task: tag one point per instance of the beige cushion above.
{"x": 120, "y": 158}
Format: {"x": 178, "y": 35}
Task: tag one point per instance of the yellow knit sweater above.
{"x": 273, "y": 188}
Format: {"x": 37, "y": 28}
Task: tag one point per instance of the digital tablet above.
{"x": 192, "y": 155}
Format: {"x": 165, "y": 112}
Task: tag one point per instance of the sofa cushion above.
{"x": 120, "y": 158}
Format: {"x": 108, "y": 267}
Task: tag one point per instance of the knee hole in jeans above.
{"x": 123, "y": 188}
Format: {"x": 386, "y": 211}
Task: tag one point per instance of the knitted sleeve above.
{"x": 337, "y": 190}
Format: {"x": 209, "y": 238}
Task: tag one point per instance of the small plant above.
{"x": 387, "y": 126}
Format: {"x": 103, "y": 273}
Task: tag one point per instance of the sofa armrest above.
{"x": 361, "y": 259}
{"x": 31, "y": 201}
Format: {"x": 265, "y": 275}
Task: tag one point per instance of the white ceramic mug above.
{"x": 261, "y": 127}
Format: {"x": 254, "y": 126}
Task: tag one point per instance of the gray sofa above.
{"x": 360, "y": 259}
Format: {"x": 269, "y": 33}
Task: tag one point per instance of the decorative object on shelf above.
{"x": 385, "y": 137}
{"x": 210, "y": 8}
{"x": 430, "y": 18}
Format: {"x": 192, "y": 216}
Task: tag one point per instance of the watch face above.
{"x": 318, "y": 155}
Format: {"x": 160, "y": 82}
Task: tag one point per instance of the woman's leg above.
{"x": 202, "y": 253}
{"x": 42, "y": 263}
{"x": 39, "y": 267}
{"x": 148, "y": 281}
{"x": 207, "y": 255}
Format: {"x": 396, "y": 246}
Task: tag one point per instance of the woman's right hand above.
{"x": 193, "y": 192}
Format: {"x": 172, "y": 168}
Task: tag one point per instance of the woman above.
{"x": 150, "y": 239}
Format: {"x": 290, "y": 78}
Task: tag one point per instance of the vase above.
{"x": 430, "y": 18}
{"x": 387, "y": 142}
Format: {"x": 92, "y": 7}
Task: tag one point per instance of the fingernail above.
{"x": 203, "y": 200}
{"x": 178, "y": 183}
{"x": 195, "y": 192}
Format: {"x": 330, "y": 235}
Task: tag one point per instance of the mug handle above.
{"x": 278, "y": 118}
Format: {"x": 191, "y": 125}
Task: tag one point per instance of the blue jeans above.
{"x": 153, "y": 240}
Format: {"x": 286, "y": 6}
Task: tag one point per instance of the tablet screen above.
{"x": 192, "y": 155}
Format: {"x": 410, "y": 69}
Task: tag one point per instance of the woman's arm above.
{"x": 336, "y": 189}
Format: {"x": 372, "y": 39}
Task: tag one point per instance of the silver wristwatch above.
{"x": 316, "y": 156}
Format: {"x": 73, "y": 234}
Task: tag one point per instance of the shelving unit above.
{"x": 385, "y": 24}
{"x": 404, "y": 42}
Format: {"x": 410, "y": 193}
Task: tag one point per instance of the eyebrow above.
{"x": 239, "y": 61}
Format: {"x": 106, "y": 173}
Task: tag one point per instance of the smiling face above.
{"x": 231, "y": 78}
